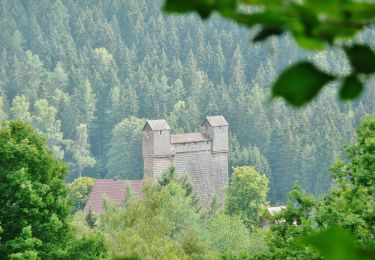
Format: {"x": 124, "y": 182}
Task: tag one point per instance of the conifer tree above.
{"x": 84, "y": 99}
{"x": 98, "y": 63}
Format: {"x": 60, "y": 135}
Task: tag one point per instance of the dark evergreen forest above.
{"x": 87, "y": 74}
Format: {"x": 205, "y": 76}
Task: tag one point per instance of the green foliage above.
{"x": 87, "y": 247}
{"x": 177, "y": 229}
{"x": 3, "y": 115}
{"x": 180, "y": 117}
{"x": 91, "y": 219}
{"x": 361, "y": 58}
{"x": 80, "y": 149}
{"x": 124, "y": 154}
{"x": 289, "y": 225}
{"x": 242, "y": 156}
{"x": 351, "y": 87}
{"x": 44, "y": 119}
{"x": 339, "y": 223}
{"x": 25, "y": 245}
{"x": 170, "y": 175}
{"x": 228, "y": 235}
{"x": 337, "y": 244}
{"x": 20, "y": 109}
{"x": 96, "y": 72}
{"x": 351, "y": 203}
{"x": 313, "y": 24}
{"x": 289, "y": 85}
{"x": 79, "y": 191}
{"x": 133, "y": 232}
{"x": 204, "y": 8}
{"x": 85, "y": 243}
{"x": 247, "y": 195}
{"x": 33, "y": 204}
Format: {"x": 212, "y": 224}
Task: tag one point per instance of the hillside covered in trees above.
{"x": 86, "y": 74}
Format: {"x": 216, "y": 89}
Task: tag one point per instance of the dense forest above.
{"x": 86, "y": 74}
{"x": 78, "y": 79}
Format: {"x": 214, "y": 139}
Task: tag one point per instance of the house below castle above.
{"x": 202, "y": 156}
{"x": 112, "y": 189}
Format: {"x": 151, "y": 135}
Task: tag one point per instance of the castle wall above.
{"x": 147, "y": 145}
{"x": 207, "y": 171}
{"x": 157, "y": 152}
{"x": 154, "y": 167}
{"x": 202, "y": 156}
{"x": 192, "y": 147}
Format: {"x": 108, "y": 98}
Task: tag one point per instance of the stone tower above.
{"x": 202, "y": 156}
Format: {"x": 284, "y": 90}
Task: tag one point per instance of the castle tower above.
{"x": 157, "y": 150}
{"x": 202, "y": 156}
{"x": 216, "y": 128}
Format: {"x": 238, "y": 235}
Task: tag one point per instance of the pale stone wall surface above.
{"x": 208, "y": 173}
{"x": 203, "y": 157}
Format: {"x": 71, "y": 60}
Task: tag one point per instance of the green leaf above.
{"x": 333, "y": 244}
{"x": 310, "y": 43}
{"x": 351, "y": 88}
{"x": 175, "y": 6}
{"x": 203, "y": 7}
{"x": 267, "y": 32}
{"x": 300, "y": 83}
{"x": 362, "y": 58}
{"x": 266, "y": 19}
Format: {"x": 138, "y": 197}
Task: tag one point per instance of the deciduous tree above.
{"x": 124, "y": 154}
{"x": 80, "y": 149}
{"x": 247, "y": 195}
{"x": 79, "y": 191}
{"x": 33, "y": 200}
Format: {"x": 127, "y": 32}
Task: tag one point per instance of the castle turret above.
{"x": 216, "y": 128}
{"x": 156, "y": 146}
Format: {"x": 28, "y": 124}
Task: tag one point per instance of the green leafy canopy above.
{"x": 300, "y": 83}
{"x": 335, "y": 244}
{"x": 315, "y": 25}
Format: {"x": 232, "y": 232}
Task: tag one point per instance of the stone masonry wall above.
{"x": 160, "y": 164}
{"x": 208, "y": 172}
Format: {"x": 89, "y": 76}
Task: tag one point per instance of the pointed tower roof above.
{"x": 215, "y": 121}
{"x": 156, "y": 125}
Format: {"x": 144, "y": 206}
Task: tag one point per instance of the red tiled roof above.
{"x": 113, "y": 189}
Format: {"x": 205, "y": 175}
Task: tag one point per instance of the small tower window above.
{"x": 160, "y": 132}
